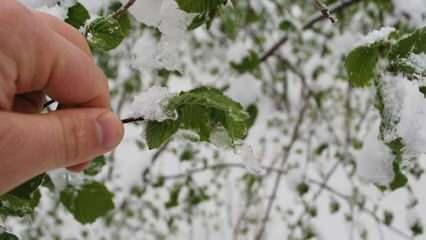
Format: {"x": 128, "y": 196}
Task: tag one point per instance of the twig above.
{"x": 132, "y": 120}
{"x": 316, "y": 18}
{"x": 277, "y": 182}
{"x": 325, "y": 11}
{"x": 123, "y": 9}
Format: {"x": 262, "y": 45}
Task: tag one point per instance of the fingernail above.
{"x": 109, "y": 130}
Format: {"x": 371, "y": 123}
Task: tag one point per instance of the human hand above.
{"x": 40, "y": 55}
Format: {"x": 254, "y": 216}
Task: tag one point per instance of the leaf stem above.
{"x": 132, "y": 120}
{"x": 123, "y": 9}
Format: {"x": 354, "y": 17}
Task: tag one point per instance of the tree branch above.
{"x": 123, "y": 9}
{"x": 277, "y": 182}
{"x": 316, "y": 18}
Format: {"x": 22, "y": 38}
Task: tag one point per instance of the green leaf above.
{"x": 202, "y": 111}
{"x": 88, "y": 202}
{"x": 174, "y": 196}
{"x": 22, "y": 200}
{"x": 253, "y": 111}
{"x": 248, "y": 64}
{"x": 197, "y": 196}
{"x": 412, "y": 43}
{"x": 287, "y": 25}
{"x": 77, "y": 15}
{"x": 361, "y": 64}
{"x": 400, "y": 180}
{"x": 95, "y": 166}
{"x": 8, "y": 236}
{"x": 197, "y": 21}
{"x": 105, "y": 33}
{"x": 123, "y": 19}
{"x": 158, "y": 133}
{"x": 221, "y": 109}
{"x": 199, "y": 6}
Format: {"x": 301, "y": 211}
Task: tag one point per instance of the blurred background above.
{"x": 283, "y": 61}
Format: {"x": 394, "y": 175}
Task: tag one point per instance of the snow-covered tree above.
{"x": 257, "y": 119}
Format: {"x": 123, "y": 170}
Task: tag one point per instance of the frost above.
{"x": 250, "y": 159}
{"x": 374, "y": 162}
{"x": 151, "y": 104}
{"x": 376, "y": 36}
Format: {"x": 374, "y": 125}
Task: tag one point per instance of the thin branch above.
{"x": 316, "y": 18}
{"x": 132, "y": 120}
{"x": 325, "y": 11}
{"x": 363, "y": 209}
{"x": 123, "y": 9}
{"x": 278, "y": 179}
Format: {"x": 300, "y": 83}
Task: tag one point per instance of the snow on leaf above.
{"x": 374, "y": 161}
{"x": 151, "y": 104}
{"x": 376, "y": 36}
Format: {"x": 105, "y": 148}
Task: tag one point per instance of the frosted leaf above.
{"x": 416, "y": 61}
{"x": 188, "y": 135}
{"x": 245, "y": 89}
{"x": 412, "y": 114}
{"x": 376, "y": 36}
{"x": 250, "y": 159}
{"x": 146, "y": 11}
{"x": 151, "y": 104}
{"x": 374, "y": 161}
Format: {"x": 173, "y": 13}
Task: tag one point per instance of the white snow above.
{"x": 171, "y": 22}
{"x": 417, "y": 62}
{"x": 151, "y": 104}
{"x": 250, "y": 159}
{"x": 374, "y": 161}
{"x": 412, "y": 114}
{"x": 146, "y": 11}
{"x": 245, "y": 89}
{"x": 57, "y": 11}
{"x": 376, "y": 36}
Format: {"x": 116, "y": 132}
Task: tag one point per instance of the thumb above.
{"x": 33, "y": 144}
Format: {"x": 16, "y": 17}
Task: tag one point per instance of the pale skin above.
{"x": 41, "y": 56}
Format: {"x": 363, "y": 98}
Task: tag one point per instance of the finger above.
{"x": 65, "y": 30}
{"x": 54, "y": 140}
{"x": 50, "y": 62}
{"x": 79, "y": 167}
{"x": 29, "y": 103}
